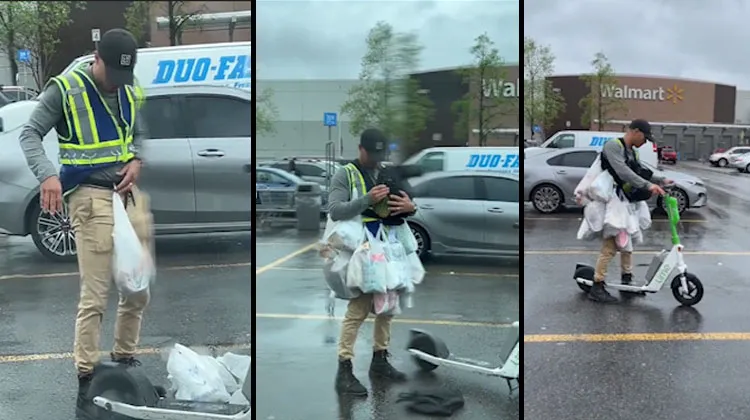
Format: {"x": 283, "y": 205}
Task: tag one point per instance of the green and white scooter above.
{"x": 666, "y": 265}
{"x": 429, "y": 352}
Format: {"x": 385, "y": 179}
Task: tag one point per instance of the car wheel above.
{"x": 682, "y": 201}
{"x": 423, "y": 241}
{"x": 747, "y": 168}
{"x": 722, "y": 162}
{"x": 547, "y": 199}
{"x": 53, "y": 235}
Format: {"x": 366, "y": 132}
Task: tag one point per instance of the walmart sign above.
{"x": 234, "y": 70}
{"x": 494, "y": 161}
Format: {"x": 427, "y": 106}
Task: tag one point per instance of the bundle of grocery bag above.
{"x": 384, "y": 264}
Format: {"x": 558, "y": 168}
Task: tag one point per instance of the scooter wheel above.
{"x": 424, "y": 343}
{"x": 694, "y": 293}
{"x": 584, "y": 272}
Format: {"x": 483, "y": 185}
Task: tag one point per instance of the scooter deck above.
{"x": 201, "y": 407}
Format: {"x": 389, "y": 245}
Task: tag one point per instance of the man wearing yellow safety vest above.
{"x": 378, "y": 207}
{"x": 94, "y": 111}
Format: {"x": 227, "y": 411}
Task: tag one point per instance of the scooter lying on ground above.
{"x": 686, "y": 287}
{"x": 125, "y": 393}
{"x": 429, "y": 352}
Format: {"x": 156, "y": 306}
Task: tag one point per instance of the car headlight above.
{"x": 696, "y": 183}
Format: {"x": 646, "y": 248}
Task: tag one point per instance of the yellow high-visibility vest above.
{"x": 95, "y": 134}
{"x": 356, "y": 180}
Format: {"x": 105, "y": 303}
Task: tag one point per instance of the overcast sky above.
{"x": 325, "y": 39}
{"x": 695, "y": 39}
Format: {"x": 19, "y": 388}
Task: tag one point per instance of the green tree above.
{"x": 266, "y": 113}
{"x": 484, "y": 107}
{"x": 387, "y": 97}
{"x": 33, "y": 26}
{"x": 542, "y": 104}
{"x": 599, "y": 105}
{"x": 179, "y": 13}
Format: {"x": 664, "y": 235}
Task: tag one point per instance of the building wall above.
{"x": 299, "y": 129}
{"x": 654, "y": 98}
{"x": 160, "y": 37}
{"x": 742, "y": 107}
{"x": 444, "y": 87}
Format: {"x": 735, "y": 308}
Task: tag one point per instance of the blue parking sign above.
{"x": 24, "y": 56}
{"x": 329, "y": 119}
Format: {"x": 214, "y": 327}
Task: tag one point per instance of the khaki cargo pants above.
{"x": 356, "y": 313}
{"x": 91, "y": 215}
{"x": 609, "y": 249}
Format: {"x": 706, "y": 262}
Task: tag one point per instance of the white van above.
{"x": 566, "y": 139}
{"x": 224, "y": 64}
{"x": 502, "y": 159}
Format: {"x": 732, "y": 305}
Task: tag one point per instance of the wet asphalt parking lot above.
{"x": 644, "y": 357}
{"x": 201, "y": 298}
{"x": 468, "y": 302}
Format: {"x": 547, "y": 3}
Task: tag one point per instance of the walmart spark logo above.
{"x": 675, "y": 94}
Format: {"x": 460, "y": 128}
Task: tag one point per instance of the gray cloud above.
{"x": 694, "y": 39}
{"x": 325, "y": 39}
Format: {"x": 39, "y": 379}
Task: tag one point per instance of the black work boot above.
{"x": 382, "y": 369}
{"x": 85, "y": 408}
{"x": 599, "y": 294}
{"x": 627, "y": 278}
{"x": 346, "y": 382}
{"x": 128, "y": 361}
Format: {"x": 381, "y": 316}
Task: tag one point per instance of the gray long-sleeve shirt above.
{"x": 340, "y": 203}
{"x": 613, "y": 151}
{"x": 48, "y": 114}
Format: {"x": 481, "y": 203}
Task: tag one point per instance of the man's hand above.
{"x": 377, "y": 193}
{"x": 400, "y": 204}
{"x": 129, "y": 174}
{"x": 655, "y": 189}
{"x": 50, "y": 193}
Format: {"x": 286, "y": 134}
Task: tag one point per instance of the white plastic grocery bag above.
{"x": 335, "y": 271}
{"x": 132, "y": 265}
{"x": 368, "y": 266}
{"x": 406, "y": 237}
{"x": 345, "y": 234}
{"x": 416, "y": 269}
{"x": 582, "y": 189}
{"x": 397, "y": 275}
{"x": 603, "y": 187}
{"x": 194, "y": 378}
{"x": 386, "y": 303}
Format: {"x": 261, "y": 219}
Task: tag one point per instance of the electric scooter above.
{"x": 429, "y": 352}
{"x": 666, "y": 265}
{"x": 125, "y": 393}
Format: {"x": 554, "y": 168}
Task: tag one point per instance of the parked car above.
{"x": 721, "y": 159}
{"x": 550, "y": 179}
{"x": 740, "y": 162}
{"x": 196, "y": 158}
{"x": 279, "y": 185}
{"x": 668, "y": 154}
{"x": 312, "y": 170}
{"x": 466, "y": 212}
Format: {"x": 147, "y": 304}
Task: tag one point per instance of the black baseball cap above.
{"x": 374, "y": 142}
{"x": 118, "y": 50}
{"x": 644, "y": 127}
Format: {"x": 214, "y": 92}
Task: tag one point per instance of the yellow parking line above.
{"x": 286, "y": 258}
{"x": 173, "y": 268}
{"x": 35, "y": 357}
{"x": 397, "y": 320}
{"x": 578, "y": 219}
{"x": 635, "y": 337}
{"x": 652, "y": 252}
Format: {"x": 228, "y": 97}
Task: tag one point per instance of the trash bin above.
{"x": 308, "y": 204}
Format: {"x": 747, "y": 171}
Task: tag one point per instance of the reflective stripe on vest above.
{"x": 356, "y": 178}
{"x": 96, "y": 135}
